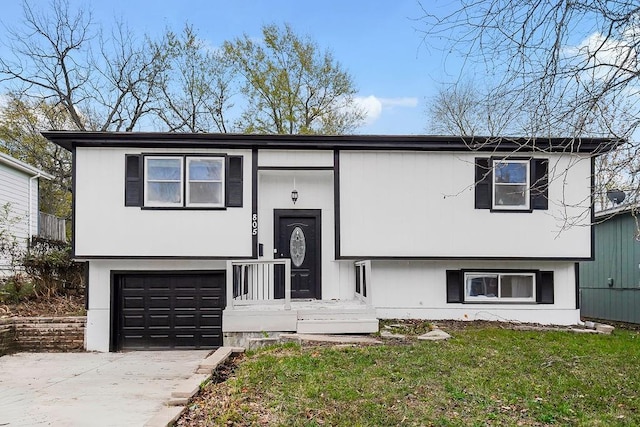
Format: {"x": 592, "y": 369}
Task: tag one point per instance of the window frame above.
{"x": 147, "y": 202}
{"x": 526, "y": 207}
{"x": 499, "y": 299}
{"x": 187, "y": 182}
{"x": 184, "y": 182}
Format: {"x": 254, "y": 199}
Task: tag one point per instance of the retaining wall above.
{"x": 41, "y": 334}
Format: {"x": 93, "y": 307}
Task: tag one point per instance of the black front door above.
{"x": 297, "y": 237}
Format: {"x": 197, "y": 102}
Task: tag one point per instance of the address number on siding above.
{"x": 254, "y": 224}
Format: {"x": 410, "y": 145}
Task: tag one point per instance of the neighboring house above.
{"x": 610, "y": 284}
{"x": 196, "y": 239}
{"x": 19, "y": 189}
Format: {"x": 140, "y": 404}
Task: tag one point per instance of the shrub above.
{"x": 16, "y": 288}
{"x": 49, "y": 265}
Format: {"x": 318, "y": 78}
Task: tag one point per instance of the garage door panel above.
{"x": 185, "y": 302}
{"x": 132, "y": 321}
{"x": 211, "y": 301}
{"x": 212, "y": 320}
{"x": 185, "y": 320}
{"x": 133, "y": 302}
{"x": 167, "y": 311}
{"x": 158, "y": 320}
{"x": 162, "y": 302}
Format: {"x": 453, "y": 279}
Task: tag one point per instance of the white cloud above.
{"x": 607, "y": 56}
{"x": 374, "y": 106}
{"x": 399, "y": 102}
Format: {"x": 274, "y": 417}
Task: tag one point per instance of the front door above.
{"x": 297, "y": 237}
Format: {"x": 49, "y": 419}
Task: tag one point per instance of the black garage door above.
{"x": 161, "y": 310}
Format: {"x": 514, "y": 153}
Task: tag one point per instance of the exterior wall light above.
{"x": 294, "y": 196}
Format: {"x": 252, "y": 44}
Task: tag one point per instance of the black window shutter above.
{"x": 483, "y": 178}
{"x": 133, "y": 180}
{"x": 358, "y": 268}
{"x": 233, "y": 191}
{"x": 455, "y": 286}
{"x": 364, "y": 281}
{"x": 540, "y": 184}
{"x": 544, "y": 288}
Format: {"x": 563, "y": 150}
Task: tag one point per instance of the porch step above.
{"x": 337, "y": 326}
{"x": 337, "y": 314}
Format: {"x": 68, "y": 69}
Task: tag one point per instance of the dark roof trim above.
{"x": 70, "y": 139}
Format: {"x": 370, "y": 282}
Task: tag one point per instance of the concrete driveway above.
{"x": 90, "y": 389}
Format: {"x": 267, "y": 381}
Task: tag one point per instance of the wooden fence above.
{"x": 51, "y": 227}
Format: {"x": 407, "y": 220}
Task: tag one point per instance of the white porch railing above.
{"x": 252, "y": 282}
{"x": 363, "y": 281}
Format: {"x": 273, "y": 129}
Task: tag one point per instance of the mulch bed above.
{"x": 213, "y": 400}
{"x": 60, "y": 305}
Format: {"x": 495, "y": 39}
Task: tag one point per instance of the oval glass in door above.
{"x": 297, "y": 247}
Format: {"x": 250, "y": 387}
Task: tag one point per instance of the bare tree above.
{"x": 569, "y": 68}
{"x": 195, "y": 89}
{"x": 462, "y": 109}
{"x": 54, "y": 58}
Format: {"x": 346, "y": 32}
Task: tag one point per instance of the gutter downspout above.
{"x": 30, "y": 221}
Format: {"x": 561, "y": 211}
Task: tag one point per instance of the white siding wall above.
{"x": 295, "y": 158}
{"x": 14, "y": 189}
{"x": 105, "y": 227}
{"x": 422, "y": 204}
{"x": 417, "y": 289}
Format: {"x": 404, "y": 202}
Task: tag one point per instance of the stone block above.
{"x": 435, "y": 335}
{"x": 604, "y": 329}
{"x": 189, "y": 387}
{"x": 166, "y": 416}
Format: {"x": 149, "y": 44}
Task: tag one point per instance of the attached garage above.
{"x": 167, "y": 310}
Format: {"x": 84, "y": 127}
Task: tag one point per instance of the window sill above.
{"x": 182, "y": 208}
{"x": 524, "y": 210}
{"x": 501, "y": 302}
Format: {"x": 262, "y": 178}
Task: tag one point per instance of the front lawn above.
{"x": 484, "y": 375}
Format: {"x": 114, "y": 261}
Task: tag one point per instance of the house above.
{"x": 198, "y": 239}
{"x": 610, "y": 284}
{"x": 19, "y": 191}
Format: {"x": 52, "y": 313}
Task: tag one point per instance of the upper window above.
{"x": 205, "y": 181}
{"x": 496, "y": 287}
{"x": 165, "y": 181}
{"x": 511, "y": 184}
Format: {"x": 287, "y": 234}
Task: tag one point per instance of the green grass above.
{"x": 483, "y": 376}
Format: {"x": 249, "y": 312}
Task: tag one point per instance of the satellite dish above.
{"x": 616, "y": 196}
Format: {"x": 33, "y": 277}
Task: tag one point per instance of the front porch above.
{"x": 259, "y": 300}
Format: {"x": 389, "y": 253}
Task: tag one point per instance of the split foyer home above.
{"x": 198, "y": 239}
{"x": 19, "y": 193}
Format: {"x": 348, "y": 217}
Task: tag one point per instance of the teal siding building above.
{"x": 610, "y": 285}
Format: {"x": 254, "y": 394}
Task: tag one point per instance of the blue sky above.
{"x": 377, "y": 41}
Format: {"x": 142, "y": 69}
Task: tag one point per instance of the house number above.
{"x": 254, "y": 224}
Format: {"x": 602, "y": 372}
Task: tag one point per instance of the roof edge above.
{"x": 70, "y": 139}
{"x": 24, "y": 167}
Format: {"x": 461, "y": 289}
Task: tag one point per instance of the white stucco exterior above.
{"x": 410, "y": 215}
{"x": 392, "y": 281}
{"x": 104, "y": 226}
{"x": 421, "y": 204}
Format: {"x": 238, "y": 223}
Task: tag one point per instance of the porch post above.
{"x": 287, "y": 284}
{"x": 230, "y": 285}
